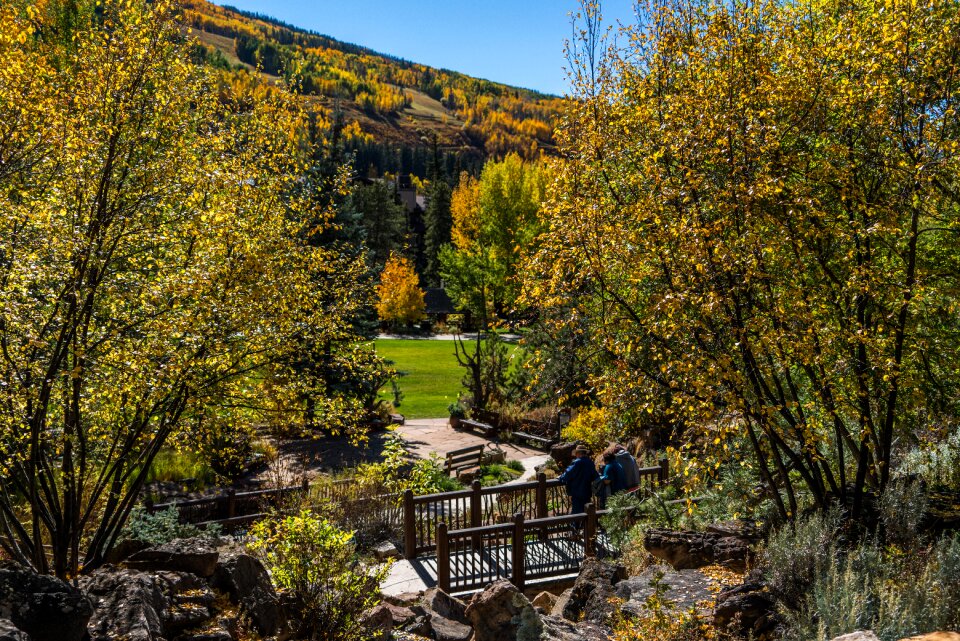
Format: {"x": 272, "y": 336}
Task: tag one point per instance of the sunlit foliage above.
{"x": 758, "y": 214}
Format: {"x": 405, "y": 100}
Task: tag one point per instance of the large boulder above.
{"x": 445, "y": 629}
{"x": 591, "y": 596}
{"x": 43, "y": 607}
{"x": 196, "y": 556}
{"x": 10, "y": 632}
{"x": 683, "y": 588}
{"x": 691, "y": 550}
{"x": 562, "y": 453}
{"x": 378, "y": 623}
{"x": 559, "y": 629}
{"x": 248, "y": 584}
{"x": 502, "y": 613}
{"x": 438, "y": 602}
{"x": 128, "y": 605}
{"x": 746, "y": 611}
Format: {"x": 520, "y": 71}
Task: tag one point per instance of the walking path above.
{"x": 427, "y": 435}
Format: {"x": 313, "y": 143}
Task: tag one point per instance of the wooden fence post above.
{"x": 517, "y": 552}
{"x": 542, "y": 507}
{"x": 443, "y": 558}
{"x": 590, "y": 531}
{"x": 409, "y": 526}
{"x": 664, "y": 471}
{"x": 231, "y": 503}
{"x": 476, "y": 512}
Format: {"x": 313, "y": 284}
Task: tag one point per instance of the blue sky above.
{"x": 518, "y": 42}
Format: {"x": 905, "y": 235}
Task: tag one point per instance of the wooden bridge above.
{"x": 463, "y": 540}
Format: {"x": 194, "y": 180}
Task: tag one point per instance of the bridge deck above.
{"x": 544, "y": 561}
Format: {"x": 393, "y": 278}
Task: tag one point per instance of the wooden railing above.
{"x": 520, "y": 551}
{"x": 480, "y": 507}
{"x": 237, "y": 509}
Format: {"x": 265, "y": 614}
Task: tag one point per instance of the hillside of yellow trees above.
{"x": 389, "y": 107}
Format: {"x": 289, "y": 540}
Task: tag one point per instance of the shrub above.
{"x": 396, "y": 474}
{"x": 895, "y": 595}
{"x": 902, "y": 508}
{"x": 317, "y": 563}
{"x": 161, "y": 527}
{"x": 498, "y": 474}
{"x": 591, "y": 427}
{"x": 661, "y": 620}
{"x": 799, "y": 552}
{"x": 937, "y": 465}
{"x": 179, "y": 466}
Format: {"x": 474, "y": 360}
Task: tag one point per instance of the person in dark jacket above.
{"x": 578, "y": 479}
{"x": 614, "y": 479}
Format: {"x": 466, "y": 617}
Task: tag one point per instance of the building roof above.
{"x": 438, "y": 301}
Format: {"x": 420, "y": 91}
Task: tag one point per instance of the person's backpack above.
{"x": 631, "y": 473}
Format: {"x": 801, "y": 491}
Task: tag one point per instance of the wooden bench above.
{"x": 541, "y": 441}
{"x": 484, "y": 428}
{"x": 463, "y": 459}
{"x": 541, "y": 433}
{"x": 397, "y": 419}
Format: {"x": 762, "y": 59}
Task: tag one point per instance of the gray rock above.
{"x": 386, "y": 550}
{"x": 436, "y": 601}
{"x": 746, "y": 611}
{"x": 503, "y": 613}
{"x": 378, "y": 622}
{"x": 10, "y": 632}
{"x": 690, "y": 550}
{"x": 44, "y": 607}
{"x": 248, "y": 584}
{"x": 683, "y": 588}
{"x": 859, "y": 635}
{"x": 404, "y": 599}
{"x": 128, "y": 605}
{"x": 445, "y": 629}
{"x": 590, "y": 597}
{"x": 196, "y": 556}
{"x": 559, "y": 629}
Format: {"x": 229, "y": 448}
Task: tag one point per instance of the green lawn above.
{"x": 429, "y": 375}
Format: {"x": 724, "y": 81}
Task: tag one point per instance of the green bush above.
{"x": 895, "y": 595}
{"x": 161, "y": 527}
{"x": 498, "y": 474}
{"x": 902, "y": 508}
{"x": 178, "y": 466}
{"x": 800, "y": 552}
{"x": 395, "y": 473}
{"x": 317, "y": 563}
{"x": 938, "y": 465}
{"x": 826, "y": 588}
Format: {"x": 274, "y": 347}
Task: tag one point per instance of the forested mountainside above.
{"x": 392, "y": 111}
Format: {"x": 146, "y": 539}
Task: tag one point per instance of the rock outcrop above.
{"x": 42, "y": 607}
{"x": 562, "y": 453}
{"x": 747, "y": 611}
{"x": 502, "y": 613}
{"x": 591, "y": 597}
{"x": 128, "y": 605}
{"x": 196, "y": 556}
{"x": 692, "y": 550}
{"x": 10, "y": 632}
{"x": 684, "y": 588}
{"x": 248, "y": 584}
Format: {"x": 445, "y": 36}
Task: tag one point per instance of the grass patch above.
{"x": 429, "y": 375}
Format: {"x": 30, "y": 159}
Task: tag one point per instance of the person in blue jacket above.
{"x": 614, "y": 478}
{"x": 578, "y": 479}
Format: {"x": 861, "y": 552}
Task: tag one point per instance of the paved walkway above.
{"x": 426, "y": 435}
